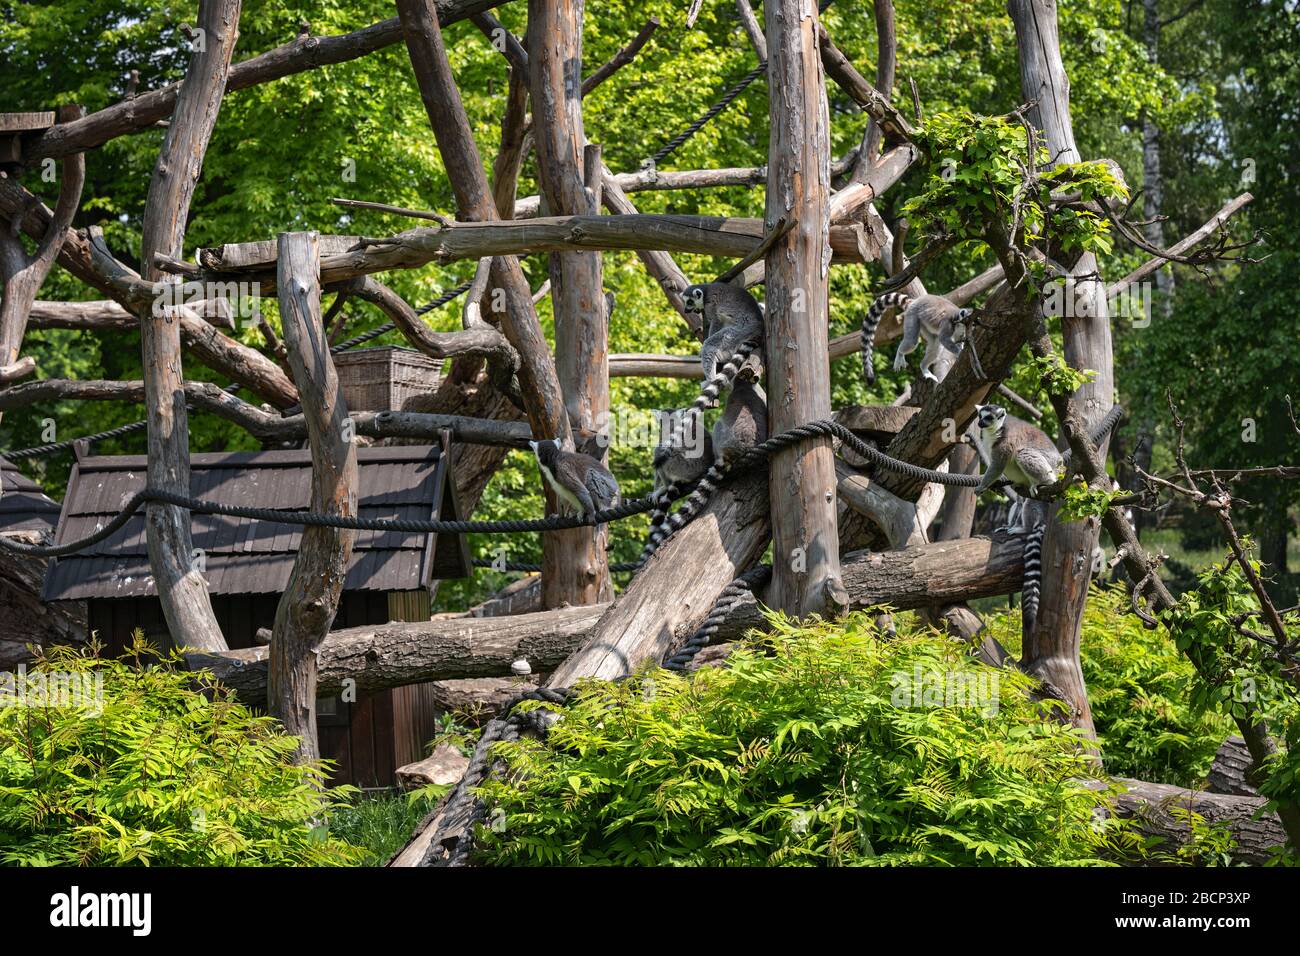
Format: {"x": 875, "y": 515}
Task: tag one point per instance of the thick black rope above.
{"x": 617, "y": 567}
{"x": 752, "y": 458}
{"x": 731, "y": 596}
{"x": 726, "y": 100}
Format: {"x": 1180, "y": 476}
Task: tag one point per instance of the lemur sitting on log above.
{"x": 743, "y": 425}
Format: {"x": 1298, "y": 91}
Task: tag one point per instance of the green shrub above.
{"x": 165, "y": 769}
{"x": 1140, "y": 689}
{"x": 814, "y": 754}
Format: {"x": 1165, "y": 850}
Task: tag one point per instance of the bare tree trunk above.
{"x": 311, "y": 598}
{"x": 806, "y": 559}
{"x": 23, "y": 274}
{"x": 1051, "y": 652}
{"x": 539, "y": 385}
{"x": 181, "y": 588}
{"x": 575, "y": 570}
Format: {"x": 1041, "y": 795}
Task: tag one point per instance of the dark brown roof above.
{"x": 243, "y": 556}
{"x": 23, "y": 506}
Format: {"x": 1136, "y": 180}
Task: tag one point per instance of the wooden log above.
{"x": 399, "y": 653}
{"x": 454, "y": 241}
{"x": 245, "y": 366}
{"x": 692, "y": 567}
{"x": 575, "y": 570}
{"x": 380, "y": 656}
{"x": 311, "y": 598}
{"x": 1051, "y": 651}
{"x": 305, "y": 52}
{"x": 182, "y": 590}
{"x": 22, "y": 273}
{"x": 805, "y": 543}
{"x": 25, "y": 620}
{"x": 1155, "y": 806}
{"x": 106, "y": 315}
{"x": 1231, "y": 771}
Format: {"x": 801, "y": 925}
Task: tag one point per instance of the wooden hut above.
{"x": 247, "y": 566}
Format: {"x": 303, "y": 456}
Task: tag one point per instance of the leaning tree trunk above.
{"x": 311, "y": 599}
{"x": 1051, "y": 651}
{"x": 182, "y": 590}
{"x": 575, "y": 568}
{"x": 805, "y": 546}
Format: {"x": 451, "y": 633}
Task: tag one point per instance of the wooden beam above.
{"x": 1051, "y": 651}
{"x": 805, "y": 544}
{"x": 182, "y": 590}
{"x": 305, "y": 52}
{"x": 395, "y": 654}
{"x": 311, "y": 598}
{"x": 575, "y": 568}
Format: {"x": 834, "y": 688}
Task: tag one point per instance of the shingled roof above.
{"x": 243, "y": 556}
{"x": 23, "y": 506}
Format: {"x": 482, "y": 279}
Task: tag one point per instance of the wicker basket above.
{"x": 385, "y": 379}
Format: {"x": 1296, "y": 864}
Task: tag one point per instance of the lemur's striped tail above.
{"x": 871, "y": 322}
{"x": 659, "y": 517}
{"x": 1033, "y": 579}
{"x": 693, "y": 505}
{"x": 722, "y": 379}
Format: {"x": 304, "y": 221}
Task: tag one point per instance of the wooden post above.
{"x": 1052, "y": 651}
{"x": 307, "y": 608}
{"x": 539, "y": 385}
{"x": 23, "y": 274}
{"x": 805, "y": 548}
{"x": 181, "y": 588}
{"x": 575, "y": 568}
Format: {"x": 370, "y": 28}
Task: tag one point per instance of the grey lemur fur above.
{"x": 732, "y": 320}
{"x": 743, "y": 425}
{"x": 579, "y": 481}
{"x": 678, "y": 463}
{"x": 941, "y": 322}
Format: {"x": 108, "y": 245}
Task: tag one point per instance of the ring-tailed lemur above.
{"x": 942, "y": 323}
{"x": 579, "y": 481}
{"x": 732, "y": 320}
{"x": 742, "y": 425}
{"x": 683, "y": 455}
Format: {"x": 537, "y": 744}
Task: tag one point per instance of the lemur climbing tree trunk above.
{"x": 1051, "y": 651}
{"x": 311, "y": 598}
{"x": 182, "y": 590}
{"x": 801, "y": 480}
{"x": 576, "y": 570}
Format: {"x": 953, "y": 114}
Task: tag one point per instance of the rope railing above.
{"x": 754, "y": 457}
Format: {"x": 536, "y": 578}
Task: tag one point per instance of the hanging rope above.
{"x": 751, "y": 459}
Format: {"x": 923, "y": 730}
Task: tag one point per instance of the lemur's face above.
{"x": 693, "y": 298}
{"x": 990, "y": 417}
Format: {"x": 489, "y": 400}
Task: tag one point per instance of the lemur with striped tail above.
{"x": 732, "y": 320}
{"x": 942, "y": 323}
{"x": 683, "y": 455}
{"x": 743, "y": 425}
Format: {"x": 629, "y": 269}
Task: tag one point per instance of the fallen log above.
{"x": 392, "y": 655}
{"x": 620, "y": 636}
{"x": 1156, "y": 809}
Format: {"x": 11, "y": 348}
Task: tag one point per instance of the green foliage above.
{"x": 1140, "y": 688}
{"x": 167, "y": 769}
{"x": 834, "y": 748}
{"x": 1237, "y": 670}
{"x": 1057, "y": 378}
{"x": 381, "y": 823}
{"x": 981, "y": 174}
{"x": 1081, "y": 501}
